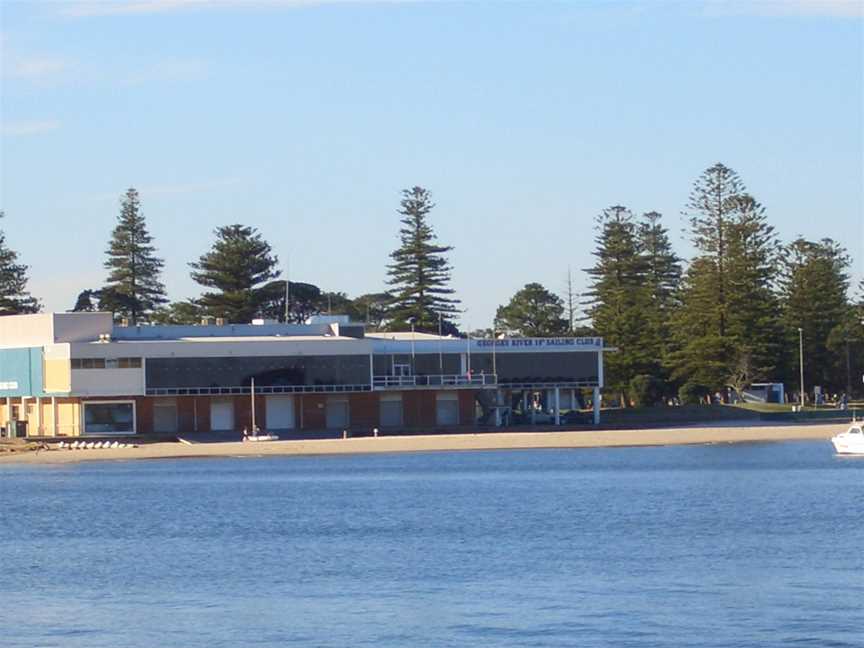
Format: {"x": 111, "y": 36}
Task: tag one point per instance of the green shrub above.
{"x": 646, "y": 390}
{"x": 693, "y": 393}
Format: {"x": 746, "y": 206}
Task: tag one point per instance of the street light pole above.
{"x": 413, "y": 355}
{"x": 494, "y": 341}
{"x": 801, "y": 361}
{"x": 440, "y": 350}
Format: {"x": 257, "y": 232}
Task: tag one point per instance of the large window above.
{"x": 113, "y": 417}
{"x": 423, "y": 364}
{"x": 534, "y": 368}
{"x": 268, "y": 371}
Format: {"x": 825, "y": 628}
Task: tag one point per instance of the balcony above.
{"x": 434, "y": 381}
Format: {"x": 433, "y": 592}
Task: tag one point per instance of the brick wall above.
{"x": 144, "y": 415}
{"x": 185, "y": 414}
{"x": 202, "y": 406}
{"x": 466, "y": 407}
{"x": 364, "y": 410}
{"x": 418, "y": 408}
{"x": 314, "y": 411}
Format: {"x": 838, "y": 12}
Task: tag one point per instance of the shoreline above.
{"x": 439, "y": 443}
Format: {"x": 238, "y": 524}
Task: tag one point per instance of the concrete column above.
{"x": 596, "y": 406}
{"x": 557, "y": 406}
{"x": 497, "y": 408}
{"x": 38, "y": 416}
{"x": 524, "y": 402}
{"x": 55, "y": 429}
{"x": 22, "y": 413}
{"x": 8, "y": 422}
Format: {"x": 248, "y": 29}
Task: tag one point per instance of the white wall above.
{"x": 26, "y": 330}
{"x": 81, "y": 327}
{"x": 214, "y": 348}
{"x": 108, "y": 382}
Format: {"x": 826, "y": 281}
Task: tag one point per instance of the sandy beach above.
{"x": 433, "y": 443}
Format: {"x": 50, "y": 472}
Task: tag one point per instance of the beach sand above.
{"x": 445, "y": 442}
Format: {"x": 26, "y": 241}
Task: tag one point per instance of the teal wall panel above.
{"x": 21, "y": 372}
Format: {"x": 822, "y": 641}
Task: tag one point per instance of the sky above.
{"x": 306, "y": 119}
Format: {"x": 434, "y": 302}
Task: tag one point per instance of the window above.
{"x": 106, "y": 363}
{"x": 114, "y": 417}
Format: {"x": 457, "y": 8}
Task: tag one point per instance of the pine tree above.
{"x": 753, "y": 308}
{"x": 533, "y": 312}
{"x": 87, "y": 301}
{"x": 14, "y": 298}
{"x": 619, "y": 299}
{"x": 237, "y": 265}
{"x": 729, "y": 319}
{"x": 814, "y": 288}
{"x": 662, "y": 282}
{"x": 420, "y": 272}
{"x": 179, "y": 312}
{"x": 571, "y": 298}
{"x": 133, "y": 288}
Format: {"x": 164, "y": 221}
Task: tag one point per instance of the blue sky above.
{"x": 525, "y": 120}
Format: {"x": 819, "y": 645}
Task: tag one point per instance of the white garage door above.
{"x": 447, "y": 408}
{"x": 221, "y": 415}
{"x": 165, "y": 415}
{"x": 280, "y": 412}
{"x": 337, "y": 413}
{"x": 391, "y": 410}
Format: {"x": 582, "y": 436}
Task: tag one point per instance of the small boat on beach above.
{"x": 850, "y": 442}
{"x": 256, "y": 432}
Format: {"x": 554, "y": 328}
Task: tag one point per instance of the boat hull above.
{"x": 848, "y": 446}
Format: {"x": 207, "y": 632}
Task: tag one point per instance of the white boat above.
{"x": 256, "y": 436}
{"x": 850, "y": 442}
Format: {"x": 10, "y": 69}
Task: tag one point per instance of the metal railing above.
{"x": 275, "y": 389}
{"x": 435, "y": 380}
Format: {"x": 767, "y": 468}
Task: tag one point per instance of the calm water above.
{"x": 727, "y": 545}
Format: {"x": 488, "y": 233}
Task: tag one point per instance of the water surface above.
{"x": 720, "y": 545}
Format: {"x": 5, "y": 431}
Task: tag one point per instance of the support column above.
{"x": 557, "y": 406}
{"x": 524, "y": 402}
{"x": 8, "y": 422}
{"x": 38, "y": 416}
{"x": 497, "y": 408}
{"x": 22, "y": 413}
{"x": 596, "y": 406}
{"x": 55, "y": 429}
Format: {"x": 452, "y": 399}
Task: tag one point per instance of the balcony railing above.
{"x": 435, "y": 380}
{"x": 259, "y": 390}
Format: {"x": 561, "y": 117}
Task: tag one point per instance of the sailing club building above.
{"x": 73, "y": 374}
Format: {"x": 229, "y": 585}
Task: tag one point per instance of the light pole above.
{"x": 494, "y": 342}
{"x": 801, "y": 361}
{"x": 440, "y": 350}
{"x": 413, "y": 355}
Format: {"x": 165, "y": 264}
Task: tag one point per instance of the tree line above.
{"x": 727, "y": 318}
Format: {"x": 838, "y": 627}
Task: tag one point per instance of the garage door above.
{"x": 221, "y": 415}
{"x": 337, "y": 413}
{"x": 391, "y": 410}
{"x": 447, "y": 408}
{"x": 280, "y": 412}
{"x": 165, "y": 415}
